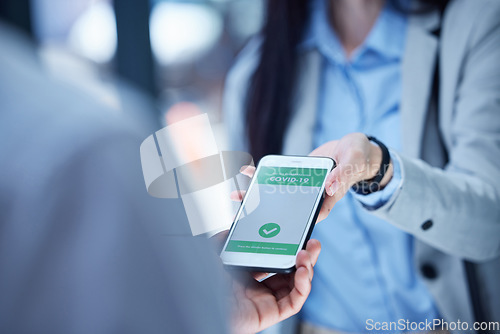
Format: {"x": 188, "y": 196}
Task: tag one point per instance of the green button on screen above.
{"x": 261, "y": 247}
{"x": 269, "y": 230}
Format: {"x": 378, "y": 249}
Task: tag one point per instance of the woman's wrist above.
{"x": 374, "y": 165}
{"x": 388, "y": 175}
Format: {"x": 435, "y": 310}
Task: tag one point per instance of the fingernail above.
{"x": 333, "y": 188}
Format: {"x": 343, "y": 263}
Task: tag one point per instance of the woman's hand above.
{"x": 357, "y": 159}
{"x": 258, "y": 305}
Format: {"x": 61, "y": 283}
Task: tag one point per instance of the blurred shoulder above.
{"x": 45, "y": 122}
{"x": 35, "y": 102}
{"x": 468, "y": 23}
{"x": 474, "y": 14}
{"x": 473, "y": 6}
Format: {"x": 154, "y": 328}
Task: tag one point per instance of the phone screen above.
{"x": 285, "y": 198}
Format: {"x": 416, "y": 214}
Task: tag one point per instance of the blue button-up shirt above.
{"x": 366, "y": 270}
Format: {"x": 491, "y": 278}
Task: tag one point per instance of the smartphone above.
{"x": 277, "y": 214}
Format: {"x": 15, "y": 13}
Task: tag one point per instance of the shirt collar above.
{"x": 386, "y": 39}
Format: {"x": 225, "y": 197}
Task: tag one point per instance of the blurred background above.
{"x": 170, "y": 50}
{"x": 159, "y": 61}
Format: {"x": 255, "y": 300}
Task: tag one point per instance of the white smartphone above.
{"x": 277, "y": 214}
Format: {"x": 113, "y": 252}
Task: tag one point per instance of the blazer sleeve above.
{"x": 457, "y": 209}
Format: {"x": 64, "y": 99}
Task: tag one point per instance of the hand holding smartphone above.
{"x": 277, "y": 214}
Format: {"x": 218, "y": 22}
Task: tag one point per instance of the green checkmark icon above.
{"x": 269, "y": 230}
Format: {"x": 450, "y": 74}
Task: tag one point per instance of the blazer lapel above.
{"x": 418, "y": 67}
{"x": 299, "y": 134}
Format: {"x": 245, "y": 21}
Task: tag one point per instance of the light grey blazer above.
{"x": 450, "y": 157}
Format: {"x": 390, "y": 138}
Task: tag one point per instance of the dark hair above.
{"x": 269, "y": 98}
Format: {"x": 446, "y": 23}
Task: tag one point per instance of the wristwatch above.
{"x": 372, "y": 185}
